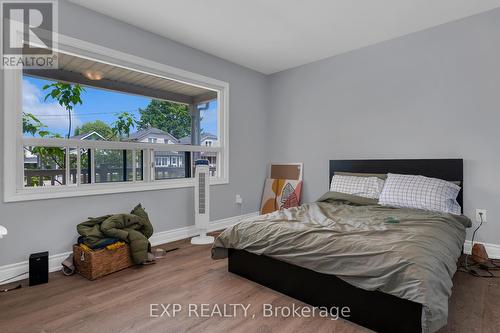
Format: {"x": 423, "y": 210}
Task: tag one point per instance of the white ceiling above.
{"x": 274, "y": 35}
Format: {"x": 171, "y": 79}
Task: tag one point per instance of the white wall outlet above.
{"x": 239, "y": 199}
{"x": 478, "y": 215}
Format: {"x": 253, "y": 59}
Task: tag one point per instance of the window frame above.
{"x": 14, "y": 141}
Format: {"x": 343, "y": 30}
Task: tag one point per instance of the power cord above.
{"x": 19, "y": 286}
{"x": 488, "y": 269}
{"x": 472, "y": 241}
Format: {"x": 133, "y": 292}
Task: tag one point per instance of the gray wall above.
{"x": 431, "y": 94}
{"x": 50, "y": 224}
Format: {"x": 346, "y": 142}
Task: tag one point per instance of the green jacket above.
{"x": 134, "y": 228}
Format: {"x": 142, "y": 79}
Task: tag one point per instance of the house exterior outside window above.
{"x": 207, "y": 140}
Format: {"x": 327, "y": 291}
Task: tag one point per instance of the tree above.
{"x": 123, "y": 123}
{"x": 67, "y": 95}
{"x": 170, "y": 117}
{"x": 98, "y": 126}
{"x": 32, "y": 125}
{"x": 49, "y": 157}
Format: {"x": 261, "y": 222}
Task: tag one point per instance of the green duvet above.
{"x": 408, "y": 253}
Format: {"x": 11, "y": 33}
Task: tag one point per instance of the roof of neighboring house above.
{"x": 84, "y": 136}
{"x": 160, "y": 153}
{"x": 31, "y": 159}
{"x": 145, "y": 132}
{"x": 204, "y": 136}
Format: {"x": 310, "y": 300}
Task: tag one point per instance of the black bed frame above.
{"x": 372, "y": 309}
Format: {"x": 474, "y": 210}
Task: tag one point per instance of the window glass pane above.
{"x": 209, "y": 124}
{"x": 169, "y": 164}
{"x": 111, "y": 165}
{"x": 212, "y": 158}
{"x": 129, "y": 166}
{"x": 85, "y": 171}
{"x": 44, "y": 166}
{"x": 101, "y": 116}
{"x": 212, "y": 162}
{"x": 73, "y": 163}
{"x": 139, "y": 165}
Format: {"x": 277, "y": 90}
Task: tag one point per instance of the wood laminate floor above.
{"x": 121, "y": 301}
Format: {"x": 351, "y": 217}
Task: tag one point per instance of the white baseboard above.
{"x": 162, "y": 237}
{"x": 20, "y": 269}
{"x": 492, "y": 249}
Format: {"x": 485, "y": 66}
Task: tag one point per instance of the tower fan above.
{"x": 201, "y": 202}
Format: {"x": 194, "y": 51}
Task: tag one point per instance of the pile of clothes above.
{"x": 135, "y": 229}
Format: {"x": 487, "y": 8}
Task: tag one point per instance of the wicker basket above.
{"x": 95, "y": 264}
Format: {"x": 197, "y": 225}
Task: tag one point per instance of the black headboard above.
{"x": 447, "y": 169}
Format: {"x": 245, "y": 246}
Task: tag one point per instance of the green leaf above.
{"x": 170, "y": 117}
{"x": 66, "y": 95}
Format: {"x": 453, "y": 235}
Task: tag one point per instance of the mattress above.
{"x": 408, "y": 253}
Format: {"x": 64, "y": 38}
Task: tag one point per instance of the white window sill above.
{"x": 104, "y": 188}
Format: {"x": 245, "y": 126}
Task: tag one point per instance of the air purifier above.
{"x": 38, "y": 268}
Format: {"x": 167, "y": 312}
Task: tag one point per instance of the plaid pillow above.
{"x": 367, "y": 187}
{"x": 420, "y": 192}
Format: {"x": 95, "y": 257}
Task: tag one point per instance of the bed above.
{"x": 407, "y": 282}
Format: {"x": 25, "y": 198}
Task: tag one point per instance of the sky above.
{"x": 97, "y": 104}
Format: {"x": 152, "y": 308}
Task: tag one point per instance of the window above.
{"x": 44, "y": 166}
{"x": 116, "y": 165}
{"x": 170, "y": 164}
{"x": 115, "y": 139}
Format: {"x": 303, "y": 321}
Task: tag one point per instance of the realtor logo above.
{"x": 28, "y": 34}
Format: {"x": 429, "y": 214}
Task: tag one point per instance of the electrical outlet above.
{"x": 478, "y": 216}
{"x": 239, "y": 199}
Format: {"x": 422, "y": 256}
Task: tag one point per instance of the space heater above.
{"x": 201, "y": 202}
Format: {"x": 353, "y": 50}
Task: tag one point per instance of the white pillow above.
{"x": 420, "y": 192}
{"x": 367, "y": 187}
